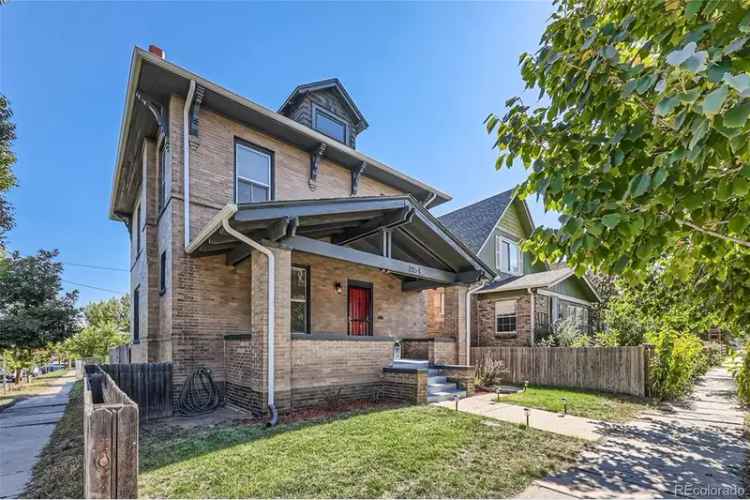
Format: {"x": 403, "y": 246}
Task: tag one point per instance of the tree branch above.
{"x": 714, "y": 233}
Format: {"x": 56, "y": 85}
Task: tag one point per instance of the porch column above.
{"x": 282, "y": 335}
{"x": 455, "y": 319}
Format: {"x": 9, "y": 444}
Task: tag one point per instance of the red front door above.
{"x": 360, "y": 310}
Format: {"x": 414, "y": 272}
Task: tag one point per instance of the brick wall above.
{"x": 396, "y": 313}
{"x": 485, "y": 316}
{"x": 409, "y": 386}
{"x": 435, "y": 312}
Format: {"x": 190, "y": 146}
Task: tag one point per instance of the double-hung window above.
{"x": 508, "y": 256}
{"x": 505, "y": 316}
{"x": 253, "y": 169}
{"x": 300, "y": 300}
{"x": 329, "y": 125}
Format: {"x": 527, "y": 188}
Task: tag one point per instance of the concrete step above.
{"x": 435, "y": 388}
{"x": 445, "y": 396}
{"x": 437, "y": 380}
{"x": 433, "y": 372}
{"x": 410, "y": 363}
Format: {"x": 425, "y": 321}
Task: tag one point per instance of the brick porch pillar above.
{"x": 455, "y": 319}
{"x": 282, "y": 336}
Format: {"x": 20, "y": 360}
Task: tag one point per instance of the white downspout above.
{"x": 532, "y": 320}
{"x": 271, "y": 309}
{"x": 186, "y": 160}
{"x": 429, "y": 200}
{"x": 468, "y": 319}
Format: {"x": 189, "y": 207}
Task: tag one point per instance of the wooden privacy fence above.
{"x": 610, "y": 369}
{"x": 148, "y": 384}
{"x": 110, "y": 435}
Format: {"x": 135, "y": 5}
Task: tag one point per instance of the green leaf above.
{"x": 699, "y": 129}
{"x": 737, "y": 116}
{"x": 741, "y": 186}
{"x": 740, "y": 83}
{"x": 738, "y": 224}
{"x": 693, "y": 7}
{"x": 629, "y": 88}
{"x": 715, "y": 100}
{"x": 642, "y": 184}
{"x": 679, "y": 56}
{"x": 667, "y": 105}
{"x": 611, "y": 220}
{"x": 724, "y": 191}
{"x": 696, "y": 63}
{"x": 744, "y": 25}
{"x": 735, "y": 45}
{"x": 659, "y": 177}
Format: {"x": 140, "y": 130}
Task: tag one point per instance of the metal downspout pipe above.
{"x": 271, "y": 312}
{"x": 468, "y": 319}
{"x": 186, "y": 160}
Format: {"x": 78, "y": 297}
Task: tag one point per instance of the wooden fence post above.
{"x": 110, "y": 434}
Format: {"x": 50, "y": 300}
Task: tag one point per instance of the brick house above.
{"x": 525, "y": 298}
{"x": 268, "y": 249}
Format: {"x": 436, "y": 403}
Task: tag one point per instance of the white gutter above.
{"x": 271, "y": 308}
{"x": 533, "y": 315}
{"x": 468, "y": 319}
{"x": 186, "y": 161}
{"x": 430, "y": 199}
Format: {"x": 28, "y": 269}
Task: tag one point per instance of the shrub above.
{"x": 713, "y": 352}
{"x": 677, "y": 361}
{"x": 565, "y": 333}
{"x": 739, "y": 366}
{"x": 489, "y": 371}
{"x": 609, "y": 338}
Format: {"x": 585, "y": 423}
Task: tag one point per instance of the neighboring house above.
{"x": 526, "y": 298}
{"x": 268, "y": 249}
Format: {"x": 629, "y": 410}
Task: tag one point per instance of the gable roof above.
{"x": 474, "y": 223}
{"x": 331, "y": 83}
{"x": 544, "y": 279}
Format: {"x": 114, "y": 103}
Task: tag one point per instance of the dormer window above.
{"x": 329, "y": 125}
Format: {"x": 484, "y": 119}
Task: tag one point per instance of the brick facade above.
{"x": 484, "y": 335}
{"x": 213, "y": 315}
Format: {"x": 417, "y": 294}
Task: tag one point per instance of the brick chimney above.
{"x": 157, "y": 51}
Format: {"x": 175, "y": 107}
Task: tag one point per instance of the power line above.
{"x": 94, "y": 287}
{"x": 103, "y": 268}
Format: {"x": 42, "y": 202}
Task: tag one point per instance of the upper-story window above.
{"x": 508, "y": 256}
{"x": 138, "y": 229}
{"x": 253, "y": 167}
{"x": 162, "y": 175}
{"x": 329, "y": 125}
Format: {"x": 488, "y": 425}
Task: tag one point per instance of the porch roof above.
{"x": 544, "y": 279}
{"x": 393, "y": 233}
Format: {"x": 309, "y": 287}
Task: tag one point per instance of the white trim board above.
{"x": 566, "y": 298}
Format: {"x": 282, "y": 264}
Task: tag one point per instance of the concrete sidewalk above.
{"x": 486, "y": 405}
{"x": 25, "y": 429}
{"x": 691, "y": 450}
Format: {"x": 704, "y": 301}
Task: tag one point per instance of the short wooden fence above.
{"x": 110, "y": 434}
{"x": 621, "y": 370}
{"x": 148, "y": 384}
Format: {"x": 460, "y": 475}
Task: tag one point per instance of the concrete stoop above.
{"x": 438, "y": 387}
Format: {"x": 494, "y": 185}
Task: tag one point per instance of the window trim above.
{"x": 137, "y": 315}
{"x": 163, "y": 273}
{"x": 317, "y": 108}
{"x": 162, "y": 172}
{"x": 261, "y": 149}
{"x": 307, "y": 299}
{"x": 514, "y": 315}
{"x": 500, "y": 240}
{"x": 138, "y": 229}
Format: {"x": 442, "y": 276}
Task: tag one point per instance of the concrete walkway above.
{"x": 25, "y": 429}
{"x": 486, "y": 405}
{"x": 694, "y": 450}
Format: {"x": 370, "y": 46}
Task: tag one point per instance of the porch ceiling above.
{"x": 394, "y": 233}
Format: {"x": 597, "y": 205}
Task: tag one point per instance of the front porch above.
{"x": 348, "y": 283}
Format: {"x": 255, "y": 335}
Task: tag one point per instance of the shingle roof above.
{"x": 473, "y": 223}
{"x": 533, "y": 280}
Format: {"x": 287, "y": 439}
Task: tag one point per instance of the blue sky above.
{"x": 425, "y": 75}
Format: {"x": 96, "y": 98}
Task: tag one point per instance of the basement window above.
{"x": 329, "y": 125}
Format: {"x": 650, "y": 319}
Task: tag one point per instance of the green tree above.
{"x": 114, "y": 310}
{"x": 95, "y": 341}
{"x": 34, "y": 311}
{"x": 639, "y": 140}
{"x": 7, "y": 159}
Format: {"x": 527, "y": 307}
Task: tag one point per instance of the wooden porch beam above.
{"x": 401, "y": 267}
{"x": 372, "y": 226}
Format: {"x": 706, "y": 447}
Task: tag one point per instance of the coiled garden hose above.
{"x": 199, "y": 394}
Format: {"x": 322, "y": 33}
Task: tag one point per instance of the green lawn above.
{"x": 596, "y": 405}
{"x": 38, "y": 385}
{"x": 406, "y": 452}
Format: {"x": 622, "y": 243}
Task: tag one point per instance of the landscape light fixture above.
{"x": 455, "y": 398}
{"x": 526, "y": 412}
{"x": 338, "y": 287}
{"x": 525, "y": 385}
{"x": 497, "y": 391}
{"x": 565, "y": 405}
